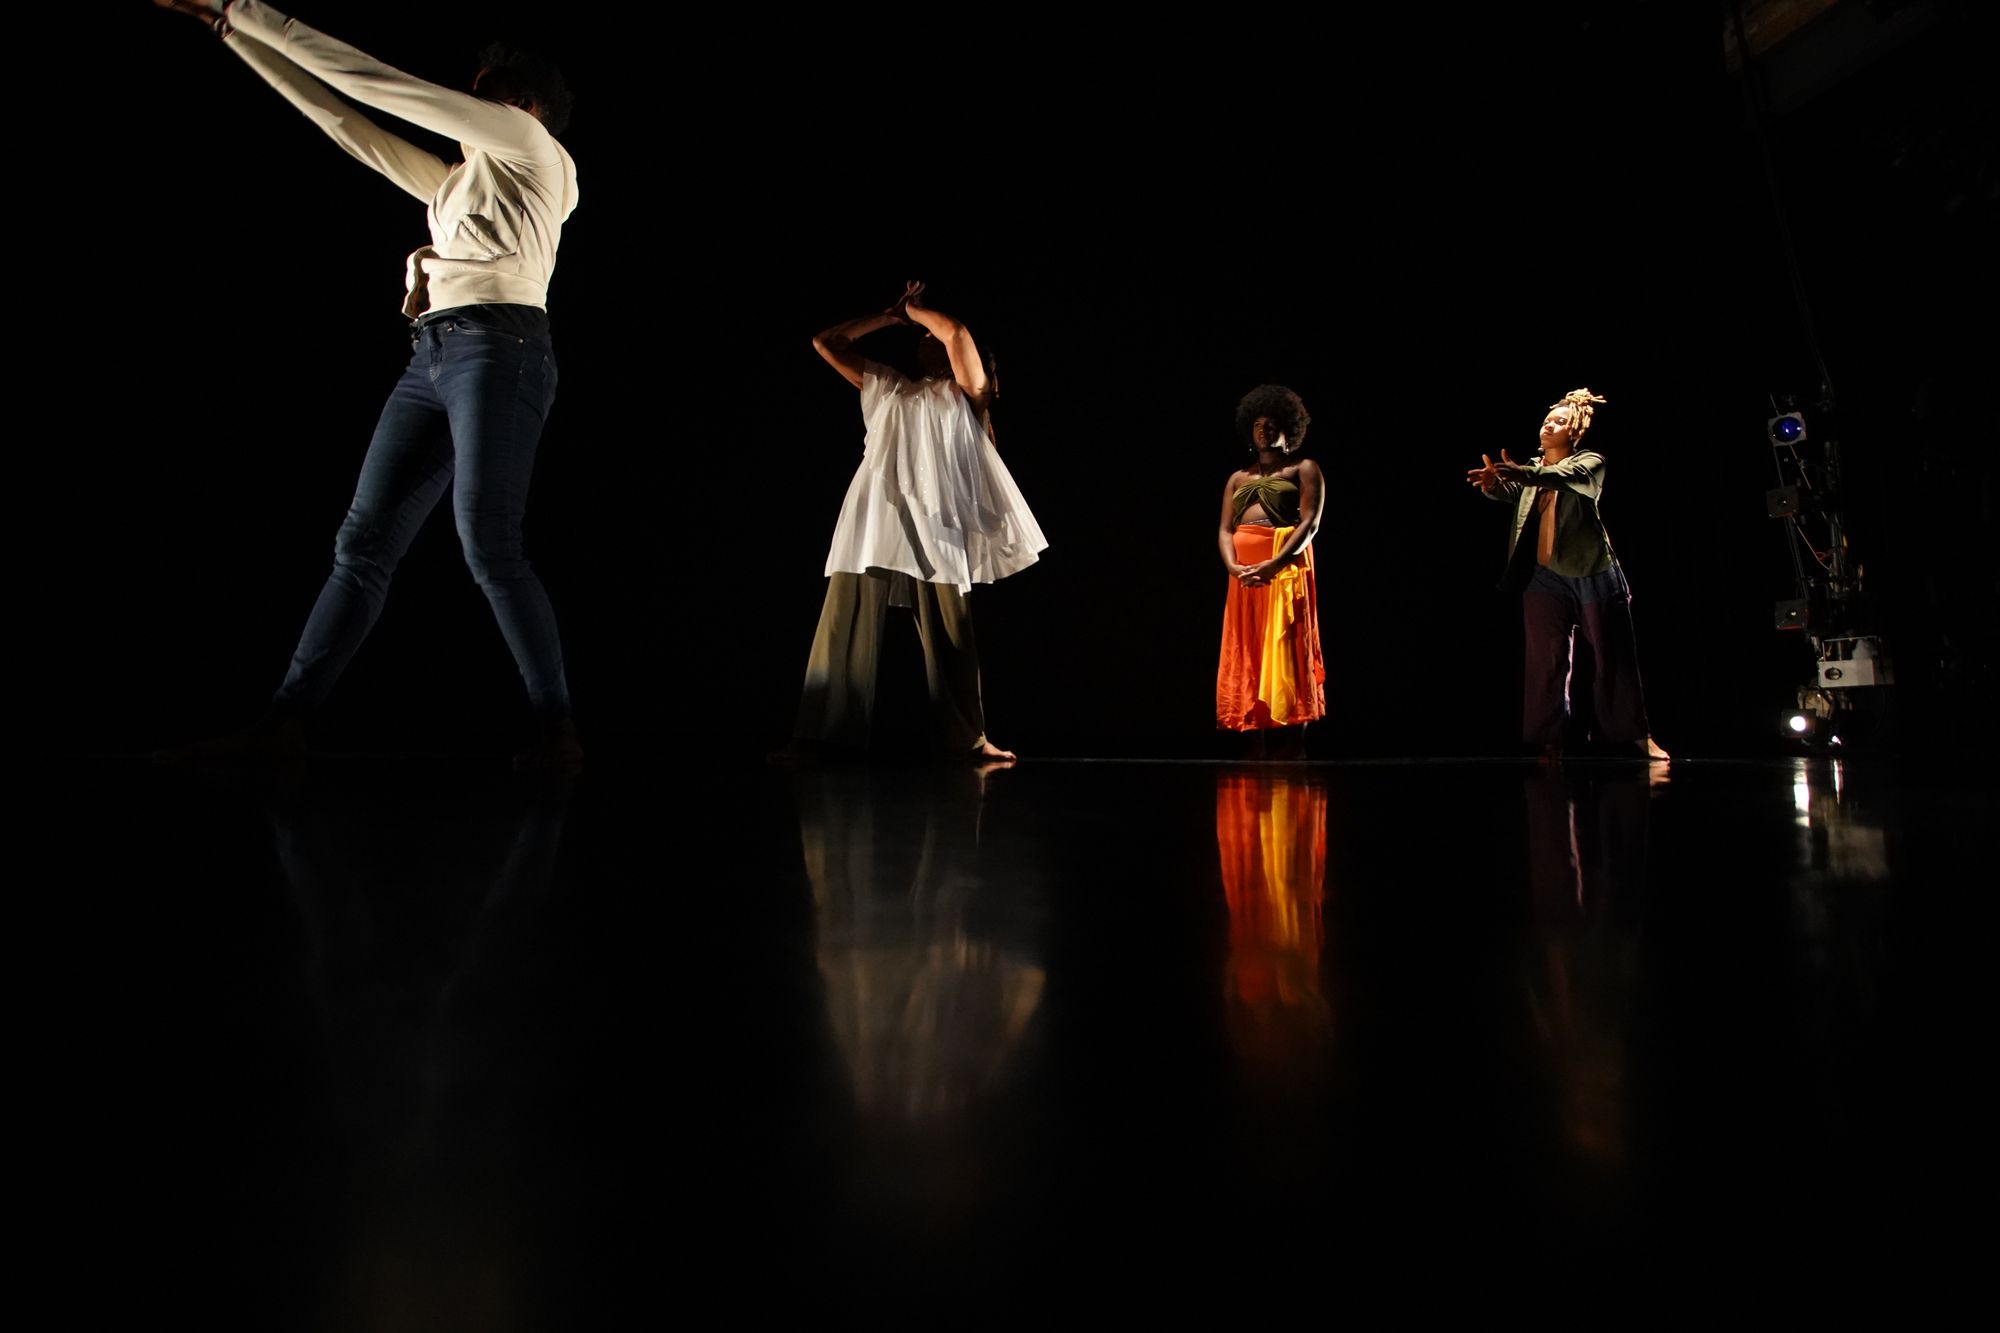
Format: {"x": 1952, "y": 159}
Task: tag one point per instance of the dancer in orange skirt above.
{"x": 1272, "y": 678}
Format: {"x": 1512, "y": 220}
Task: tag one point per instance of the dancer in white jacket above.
{"x": 467, "y": 415}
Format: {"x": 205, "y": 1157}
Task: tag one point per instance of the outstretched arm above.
{"x": 492, "y": 127}
{"x": 966, "y": 367}
{"x": 1489, "y": 481}
{"x": 413, "y": 170}
{"x": 836, "y": 344}
{"x": 1582, "y": 473}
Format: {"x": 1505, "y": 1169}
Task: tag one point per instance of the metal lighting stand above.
{"x": 1825, "y": 604}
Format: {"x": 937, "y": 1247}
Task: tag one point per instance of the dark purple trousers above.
{"x": 1553, "y": 608}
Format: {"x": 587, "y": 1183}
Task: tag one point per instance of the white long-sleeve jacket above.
{"x": 495, "y": 219}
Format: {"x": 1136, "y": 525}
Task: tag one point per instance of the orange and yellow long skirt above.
{"x": 1271, "y": 673}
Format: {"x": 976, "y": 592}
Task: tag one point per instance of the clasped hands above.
{"x": 1257, "y": 575}
{"x": 913, "y": 292}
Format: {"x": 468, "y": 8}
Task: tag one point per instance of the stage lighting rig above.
{"x": 1825, "y": 602}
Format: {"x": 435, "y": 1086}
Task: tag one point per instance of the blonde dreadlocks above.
{"x": 1583, "y": 405}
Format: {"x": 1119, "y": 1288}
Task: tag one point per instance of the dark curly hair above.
{"x": 514, "y": 76}
{"x": 1281, "y": 405}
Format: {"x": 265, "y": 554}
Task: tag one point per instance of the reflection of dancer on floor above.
{"x": 1560, "y": 560}
{"x": 1271, "y": 679}
{"x": 1587, "y": 869}
{"x": 928, "y": 958}
{"x": 467, "y": 414}
{"x": 1270, "y": 833}
{"x": 931, "y": 511}
{"x": 417, "y": 1041}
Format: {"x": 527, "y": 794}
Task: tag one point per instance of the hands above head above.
{"x": 911, "y": 291}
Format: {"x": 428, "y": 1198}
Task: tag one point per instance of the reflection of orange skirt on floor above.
{"x": 1271, "y": 673}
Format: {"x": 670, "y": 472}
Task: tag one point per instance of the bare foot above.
{"x": 986, "y": 752}
{"x": 1653, "y": 750}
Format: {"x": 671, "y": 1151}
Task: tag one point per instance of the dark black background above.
{"x": 1429, "y": 225}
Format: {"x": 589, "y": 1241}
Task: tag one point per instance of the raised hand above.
{"x": 208, "y": 11}
{"x": 895, "y": 312}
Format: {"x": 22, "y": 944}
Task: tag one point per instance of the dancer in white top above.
{"x": 931, "y": 511}
{"x": 466, "y": 417}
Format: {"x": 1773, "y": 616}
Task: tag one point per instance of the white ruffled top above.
{"x": 931, "y": 499}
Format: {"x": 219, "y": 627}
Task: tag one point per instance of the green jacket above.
{"x": 1582, "y": 547}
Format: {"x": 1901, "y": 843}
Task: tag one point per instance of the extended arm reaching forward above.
{"x": 315, "y": 73}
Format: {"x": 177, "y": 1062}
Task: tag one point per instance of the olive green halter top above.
{"x": 1275, "y": 493}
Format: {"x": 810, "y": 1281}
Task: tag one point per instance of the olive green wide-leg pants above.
{"x": 837, "y": 706}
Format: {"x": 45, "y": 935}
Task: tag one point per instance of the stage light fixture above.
{"x": 1788, "y": 429}
{"x": 1799, "y": 723}
{"x": 1854, "y": 661}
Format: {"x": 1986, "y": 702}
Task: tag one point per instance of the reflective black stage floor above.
{"x": 402, "y": 1044}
